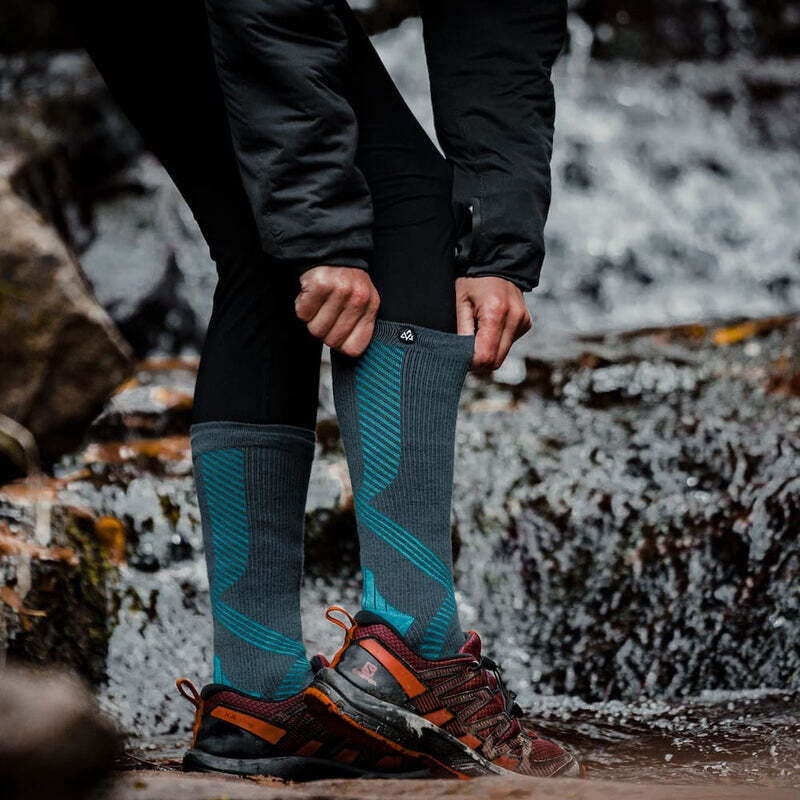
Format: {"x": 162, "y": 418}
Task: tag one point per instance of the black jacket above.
{"x": 281, "y": 65}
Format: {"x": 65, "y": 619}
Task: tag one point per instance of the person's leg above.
{"x": 397, "y": 403}
{"x": 256, "y": 393}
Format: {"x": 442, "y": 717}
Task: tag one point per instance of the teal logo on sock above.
{"x": 406, "y": 335}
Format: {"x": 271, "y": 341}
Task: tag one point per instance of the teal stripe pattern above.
{"x": 224, "y": 481}
{"x": 378, "y": 390}
{"x": 437, "y": 628}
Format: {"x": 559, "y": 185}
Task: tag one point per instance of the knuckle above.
{"x": 360, "y": 295}
{"x": 342, "y": 283}
{"x": 496, "y": 305}
{"x": 319, "y": 278}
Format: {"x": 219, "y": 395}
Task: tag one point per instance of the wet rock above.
{"x": 56, "y": 581}
{"x": 54, "y": 742}
{"x": 647, "y": 529}
{"x": 83, "y": 169}
{"x": 149, "y": 264}
{"x": 55, "y": 109}
{"x": 155, "y": 402}
{"x": 61, "y": 353}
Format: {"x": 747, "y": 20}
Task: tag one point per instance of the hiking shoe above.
{"x": 243, "y": 735}
{"x": 455, "y": 713}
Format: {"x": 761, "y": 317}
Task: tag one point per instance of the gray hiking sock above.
{"x": 397, "y": 405}
{"x": 251, "y": 484}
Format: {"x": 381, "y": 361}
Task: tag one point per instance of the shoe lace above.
{"x": 510, "y": 707}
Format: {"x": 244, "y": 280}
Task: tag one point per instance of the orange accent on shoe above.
{"x": 470, "y": 741}
{"x": 198, "y": 718}
{"x": 439, "y": 717}
{"x": 388, "y": 762}
{"x": 506, "y": 762}
{"x": 332, "y": 708}
{"x": 411, "y": 686}
{"x": 347, "y": 756}
{"x": 309, "y": 748}
{"x": 349, "y": 630}
{"x": 259, "y": 727}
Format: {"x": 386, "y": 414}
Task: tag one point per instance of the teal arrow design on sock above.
{"x": 373, "y": 600}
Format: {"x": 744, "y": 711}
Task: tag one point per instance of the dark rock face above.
{"x": 148, "y": 263}
{"x": 84, "y": 170}
{"x": 61, "y": 354}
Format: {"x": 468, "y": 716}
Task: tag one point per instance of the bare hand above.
{"x": 499, "y": 309}
{"x": 338, "y": 305}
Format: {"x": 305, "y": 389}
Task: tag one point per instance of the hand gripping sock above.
{"x": 251, "y": 484}
{"x": 397, "y": 405}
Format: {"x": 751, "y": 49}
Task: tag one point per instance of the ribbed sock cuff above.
{"x": 447, "y": 345}
{"x": 207, "y": 436}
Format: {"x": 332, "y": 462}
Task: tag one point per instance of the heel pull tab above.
{"x": 348, "y": 627}
{"x": 187, "y": 690}
{"x": 331, "y": 610}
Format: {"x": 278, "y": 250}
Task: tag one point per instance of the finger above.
{"x": 360, "y": 337}
{"x": 465, "y": 314}
{"x": 309, "y": 301}
{"x": 524, "y": 325}
{"x": 507, "y": 336}
{"x": 487, "y": 340}
{"x": 358, "y": 304}
{"x": 322, "y": 322}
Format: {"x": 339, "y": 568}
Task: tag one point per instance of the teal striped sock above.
{"x": 251, "y": 484}
{"x": 397, "y": 407}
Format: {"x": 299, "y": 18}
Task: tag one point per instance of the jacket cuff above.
{"x": 521, "y": 283}
{"x": 300, "y": 265}
{"x": 500, "y": 234}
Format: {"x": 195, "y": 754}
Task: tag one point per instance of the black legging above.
{"x": 259, "y": 363}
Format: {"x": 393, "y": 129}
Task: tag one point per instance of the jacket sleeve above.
{"x": 494, "y": 111}
{"x": 282, "y": 67}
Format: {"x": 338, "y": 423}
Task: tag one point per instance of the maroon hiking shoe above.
{"x": 454, "y": 713}
{"x": 243, "y": 735}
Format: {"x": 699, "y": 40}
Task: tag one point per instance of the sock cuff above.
{"x": 206, "y": 436}
{"x": 416, "y": 337}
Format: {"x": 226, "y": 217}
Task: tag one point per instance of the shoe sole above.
{"x": 404, "y": 731}
{"x": 288, "y": 768}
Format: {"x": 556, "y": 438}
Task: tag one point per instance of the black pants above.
{"x": 259, "y": 364}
